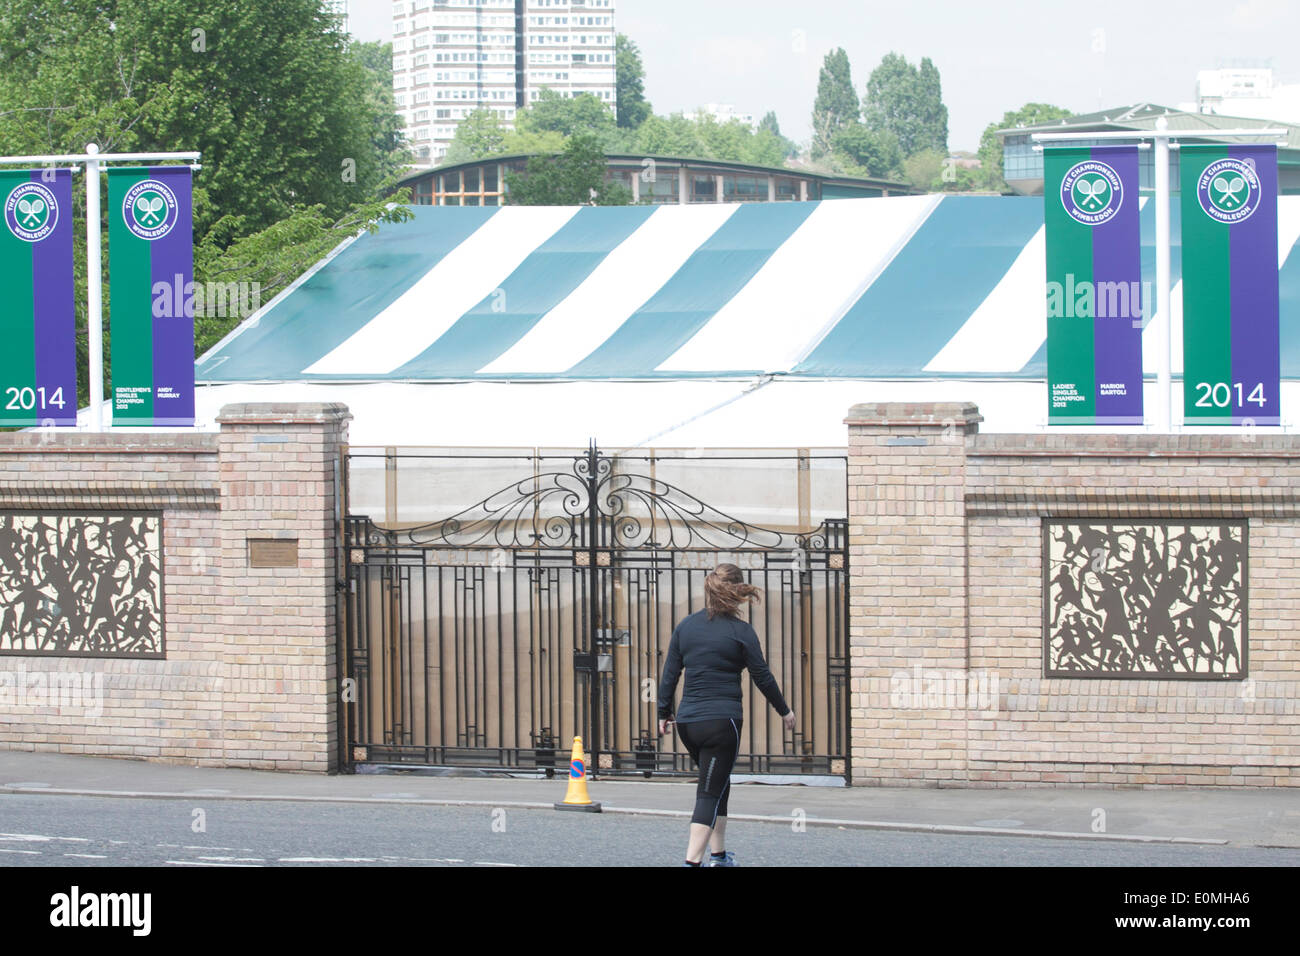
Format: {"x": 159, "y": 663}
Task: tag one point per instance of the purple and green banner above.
{"x": 1094, "y": 285}
{"x": 38, "y": 361}
{"x": 1231, "y": 333}
{"x": 151, "y": 294}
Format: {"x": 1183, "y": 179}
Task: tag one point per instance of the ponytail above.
{"x": 725, "y": 590}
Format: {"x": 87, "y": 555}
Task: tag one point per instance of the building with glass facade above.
{"x": 1022, "y": 164}
{"x": 451, "y": 57}
{"x": 653, "y": 180}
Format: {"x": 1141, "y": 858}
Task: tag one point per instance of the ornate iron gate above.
{"x": 492, "y": 637}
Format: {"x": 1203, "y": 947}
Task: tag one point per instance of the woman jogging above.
{"x": 714, "y": 646}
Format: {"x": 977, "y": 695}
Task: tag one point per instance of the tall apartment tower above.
{"x": 340, "y": 9}
{"x": 451, "y": 57}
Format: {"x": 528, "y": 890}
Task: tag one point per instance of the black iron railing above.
{"x": 493, "y": 636}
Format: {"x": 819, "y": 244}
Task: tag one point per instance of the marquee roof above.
{"x": 913, "y": 287}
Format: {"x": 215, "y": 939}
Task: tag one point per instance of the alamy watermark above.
{"x": 71, "y": 690}
{"x": 1085, "y": 299}
{"x": 179, "y": 299}
{"x": 944, "y": 689}
{"x": 126, "y": 910}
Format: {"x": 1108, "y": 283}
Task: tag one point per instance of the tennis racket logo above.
{"x": 150, "y": 209}
{"x": 31, "y": 212}
{"x": 1229, "y": 190}
{"x": 1092, "y": 192}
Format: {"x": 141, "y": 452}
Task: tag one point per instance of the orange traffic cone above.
{"x": 576, "y": 798}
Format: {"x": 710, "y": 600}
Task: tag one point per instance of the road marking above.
{"x": 236, "y": 859}
{"x": 328, "y": 859}
{"x": 39, "y": 838}
{"x": 900, "y": 826}
{"x": 28, "y": 852}
{"x": 421, "y": 859}
{"x": 297, "y": 798}
{"x": 88, "y": 856}
{"x": 201, "y": 863}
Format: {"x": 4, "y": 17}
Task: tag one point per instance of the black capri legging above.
{"x": 713, "y": 745}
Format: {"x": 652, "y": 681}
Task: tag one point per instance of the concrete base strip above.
{"x": 939, "y": 828}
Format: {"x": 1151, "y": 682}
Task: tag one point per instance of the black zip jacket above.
{"x": 714, "y": 652}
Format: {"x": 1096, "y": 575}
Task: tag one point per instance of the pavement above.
{"x": 1245, "y": 816}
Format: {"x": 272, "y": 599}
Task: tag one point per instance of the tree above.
{"x": 478, "y": 135}
{"x": 629, "y": 81}
{"x": 907, "y": 101}
{"x": 518, "y": 143}
{"x": 285, "y": 113}
{"x": 555, "y": 113}
{"x": 765, "y": 148}
{"x": 554, "y": 120}
{"x": 924, "y": 169}
{"x": 572, "y": 178}
{"x": 291, "y": 119}
{"x": 281, "y": 252}
{"x": 836, "y": 104}
{"x": 703, "y": 137}
{"x": 730, "y": 140}
{"x": 769, "y": 124}
{"x": 875, "y": 151}
{"x": 990, "y": 151}
{"x": 381, "y": 107}
{"x": 933, "y": 115}
{"x": 674, "y": 135}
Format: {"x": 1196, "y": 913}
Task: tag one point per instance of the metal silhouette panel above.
{"x": 81, "y": 585}
{"x": 1152, "y": 600}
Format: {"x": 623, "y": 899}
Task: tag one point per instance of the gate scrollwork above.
{"x": 633, "y": 511}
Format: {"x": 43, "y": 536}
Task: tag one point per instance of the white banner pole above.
{"x": 94, "y": 291}
{"x": 1164, "y": 313}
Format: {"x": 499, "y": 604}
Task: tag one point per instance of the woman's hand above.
{"x": 788, "y": 720}
{"x": 663, "y": 726}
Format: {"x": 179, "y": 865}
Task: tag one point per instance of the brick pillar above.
{"x": 278, "y": 471}
{"x": 907, "y": 591}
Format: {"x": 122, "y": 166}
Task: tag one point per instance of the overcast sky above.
{"x": 992, "y": 57}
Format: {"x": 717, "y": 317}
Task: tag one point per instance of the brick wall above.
{"x": 946, "y": 586}
{"x": 945, "y": 600}
{"x": 249, "y": 671}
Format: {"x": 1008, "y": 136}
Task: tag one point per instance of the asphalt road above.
{"x": 52, "y": 830}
